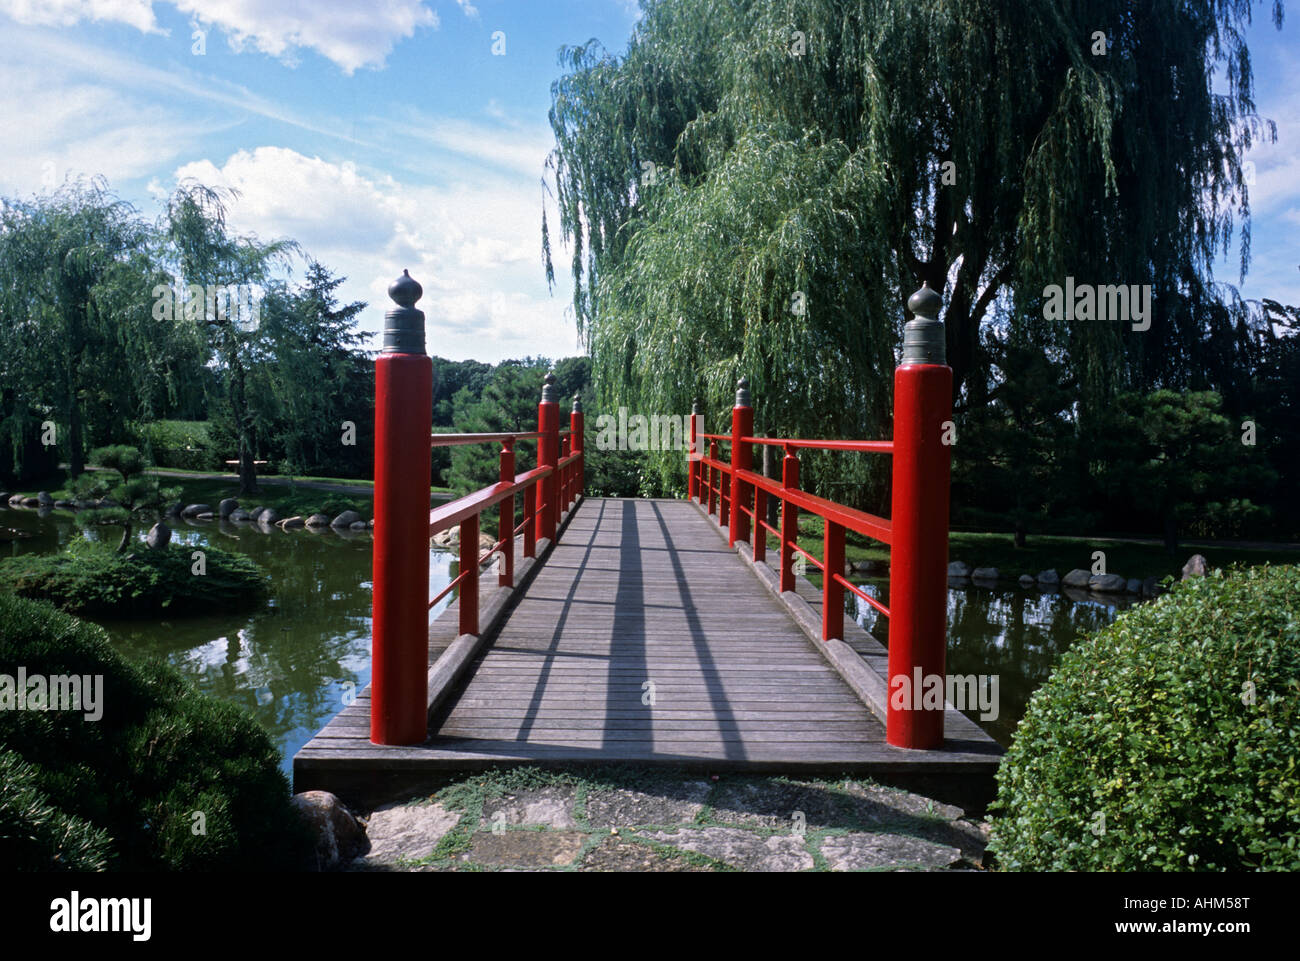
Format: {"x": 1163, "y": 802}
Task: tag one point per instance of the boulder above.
{"x": 205, "y": 516}
{"x": 959, "y": 569}
{"x": 255, "y": 512}
{"x": 1150, "y": 587}
{"x": 1107, "y": 583}
{"x": 1133, "y": 586}
{"x": 346, "y": 519}
{"x": 31, "y": 502}
{"x": 1048, "y": 578}
{"x": 871, "y": 566}
{"x": 1077, "y": 579}
{"x": 15, "y": 500}
{"x": 175, "y": 509}
{"x": 43, "y": 499}
{"x": 159, "y": 536}
{"x": 1196, "y": 566}
{"x": 227, "y": 507}
{"x": 194, "y": 510}
{"x": 357, "y": 526}
{"x": 290, "y": 523}
{"x": 984, "y": 574}
{"x": 65, "y": 505}
{"x": 447, "y": 538}
{"x": 268, "y": 516}
{"x": 1027, "y": 580}
{"x": 339, "y": 836}
{"x": 239, "y": 516}
{"x": 318, "y": 520}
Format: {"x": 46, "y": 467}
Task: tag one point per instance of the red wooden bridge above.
{"x": 647, "y": 631}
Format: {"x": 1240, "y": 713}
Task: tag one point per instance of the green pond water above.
{"x": 296, "y": 659}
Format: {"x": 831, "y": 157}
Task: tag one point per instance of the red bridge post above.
{"x": 577, "y": 445}
{"x": 789, "y": 519}
{"x": 403, "y": 465}
{"x": 918, "y": 581}
{"x": 693, "y": 457}
{"x": 548, "y": 455}
{"x": 506, "y": 517}
{"x": 742, "y": 458}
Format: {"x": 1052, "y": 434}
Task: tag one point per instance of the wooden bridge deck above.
{"x": 642, "y": 597}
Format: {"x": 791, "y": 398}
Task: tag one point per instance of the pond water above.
{"x": 1015, "y": 634}
{"x": 294, "y": 660}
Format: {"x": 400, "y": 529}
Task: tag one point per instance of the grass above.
{"x": 473, "y": 798}
{"x": 1044, "y": 552}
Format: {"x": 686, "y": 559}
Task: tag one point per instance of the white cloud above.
{"x": 468, "y": 9}
{"x": 351, "y": 34}
{"x": 65, "y": 13}
{"x": 474, "y": 248}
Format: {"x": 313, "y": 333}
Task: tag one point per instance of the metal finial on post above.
{"x": 695, "y": 406}
{"x": 923, "y": 338}
{"x": 404, "y": 324}
{"x": 548, "y": 388}
{"x": 577, "y": 403}
{"x": 742, "y": 393}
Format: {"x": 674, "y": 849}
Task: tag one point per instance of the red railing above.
{"x": 916, "y": 532}
{"x": 404, "y": 442}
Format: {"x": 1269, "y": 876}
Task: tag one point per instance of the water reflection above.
{"x": 1016, "y": 634}
{"x": 292, "y": 661}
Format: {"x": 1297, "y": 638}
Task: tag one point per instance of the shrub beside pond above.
{"x": 123, "y": 791}
{"x": 91, "y": 579}
{"x": 1168, "y": 740}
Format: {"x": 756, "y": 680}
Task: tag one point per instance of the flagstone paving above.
{"x": 538, "y": 821}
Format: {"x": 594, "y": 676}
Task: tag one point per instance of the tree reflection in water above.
{"x": 1018, "y": 635}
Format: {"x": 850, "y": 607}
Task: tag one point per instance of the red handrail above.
{"x": 916, "y": 532}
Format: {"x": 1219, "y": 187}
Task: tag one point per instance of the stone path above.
{"x": 531, "y": 821}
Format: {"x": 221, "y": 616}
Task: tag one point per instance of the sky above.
{"x": 403, "y": 134}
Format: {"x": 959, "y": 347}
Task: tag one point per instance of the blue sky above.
{"x": 387, "y": 135}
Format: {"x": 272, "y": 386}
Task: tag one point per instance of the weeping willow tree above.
{"x": 205, "y": 253}
{"x": 76, "y": 338}
{"x": 756, "y": 186}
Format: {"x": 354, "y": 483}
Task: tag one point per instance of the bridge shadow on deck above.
{"x": 643, "y": 636}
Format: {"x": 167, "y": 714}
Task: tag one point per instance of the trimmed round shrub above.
{"x": 166, "y": 778}
{"x": 1167, "y": 741}
{"x": 91, "y": 579}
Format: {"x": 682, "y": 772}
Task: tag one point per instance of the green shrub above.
{"x": 91, "y": 579}
{"x": 1168, "y": 740}
{"x": 124, "y": 790}
{"x": 35, "y": 835}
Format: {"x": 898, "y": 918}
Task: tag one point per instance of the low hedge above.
{"x": 125, "y": 791}
{"x": 1167, "y": 741}
{"x": 91, "y": 579}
